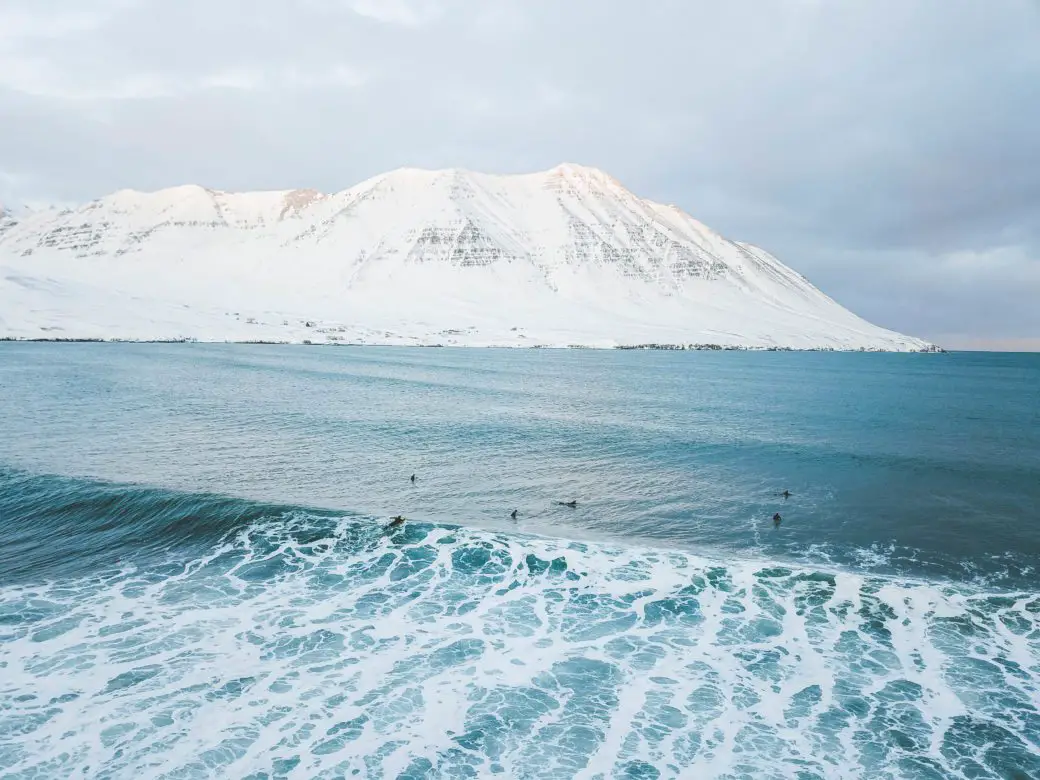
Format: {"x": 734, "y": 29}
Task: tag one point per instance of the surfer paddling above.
{"x": 571, "y": 504}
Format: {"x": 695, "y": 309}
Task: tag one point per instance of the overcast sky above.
{"x": 887, "y": 149}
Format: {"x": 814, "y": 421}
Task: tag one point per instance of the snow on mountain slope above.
{"x": 563, "y": 257}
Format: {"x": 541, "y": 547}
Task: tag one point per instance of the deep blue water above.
{"x": 195, "y": 580}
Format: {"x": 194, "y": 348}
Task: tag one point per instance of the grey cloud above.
{"x": 956, "y": 299}
{"x": 866, "y": 143}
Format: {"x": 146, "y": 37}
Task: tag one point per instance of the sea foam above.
{"x": 313, "y": 646}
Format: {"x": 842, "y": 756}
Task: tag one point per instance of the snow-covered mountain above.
{"x": 564, "y": 257}
{"x": 7, "y": 218}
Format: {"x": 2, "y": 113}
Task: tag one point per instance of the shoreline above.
{"x": 651, "y": 347}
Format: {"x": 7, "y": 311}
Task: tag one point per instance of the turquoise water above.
{"x": 195, "y": 580}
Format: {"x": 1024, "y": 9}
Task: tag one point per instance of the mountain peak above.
{"x": 575, "y": 169}
{"x": 585, "y": 176}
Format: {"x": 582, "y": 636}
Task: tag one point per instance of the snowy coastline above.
{"x": 562, "y": 258}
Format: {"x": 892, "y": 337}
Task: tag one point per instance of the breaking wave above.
{"x": 159, "y": 634}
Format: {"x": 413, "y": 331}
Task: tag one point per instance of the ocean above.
{"x": 197, "y": 580}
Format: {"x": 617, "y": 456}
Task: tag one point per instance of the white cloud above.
{"x": 332, "y": 76}
{"x": 38, "y": 78}
{"x": 288, "y": 77}
{"x": 409, "y": 13}
{"x": 241, "y": 78}
{"x": 19, "y": 25}
{"x": 501, "y": 18}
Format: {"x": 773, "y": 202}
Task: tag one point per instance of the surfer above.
{"x": 777, "y": 519}
{"x": 786, "y": 494}
{"x": 513, "y": 514}
{"x": 413, "y": 479}
{"x": 571, "y": 504}
{"x": 396, "y": 522}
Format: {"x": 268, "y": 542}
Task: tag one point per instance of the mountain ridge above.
{"x": 562, "y": 256}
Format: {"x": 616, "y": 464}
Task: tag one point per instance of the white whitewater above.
{"x": 559, "y": 258}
